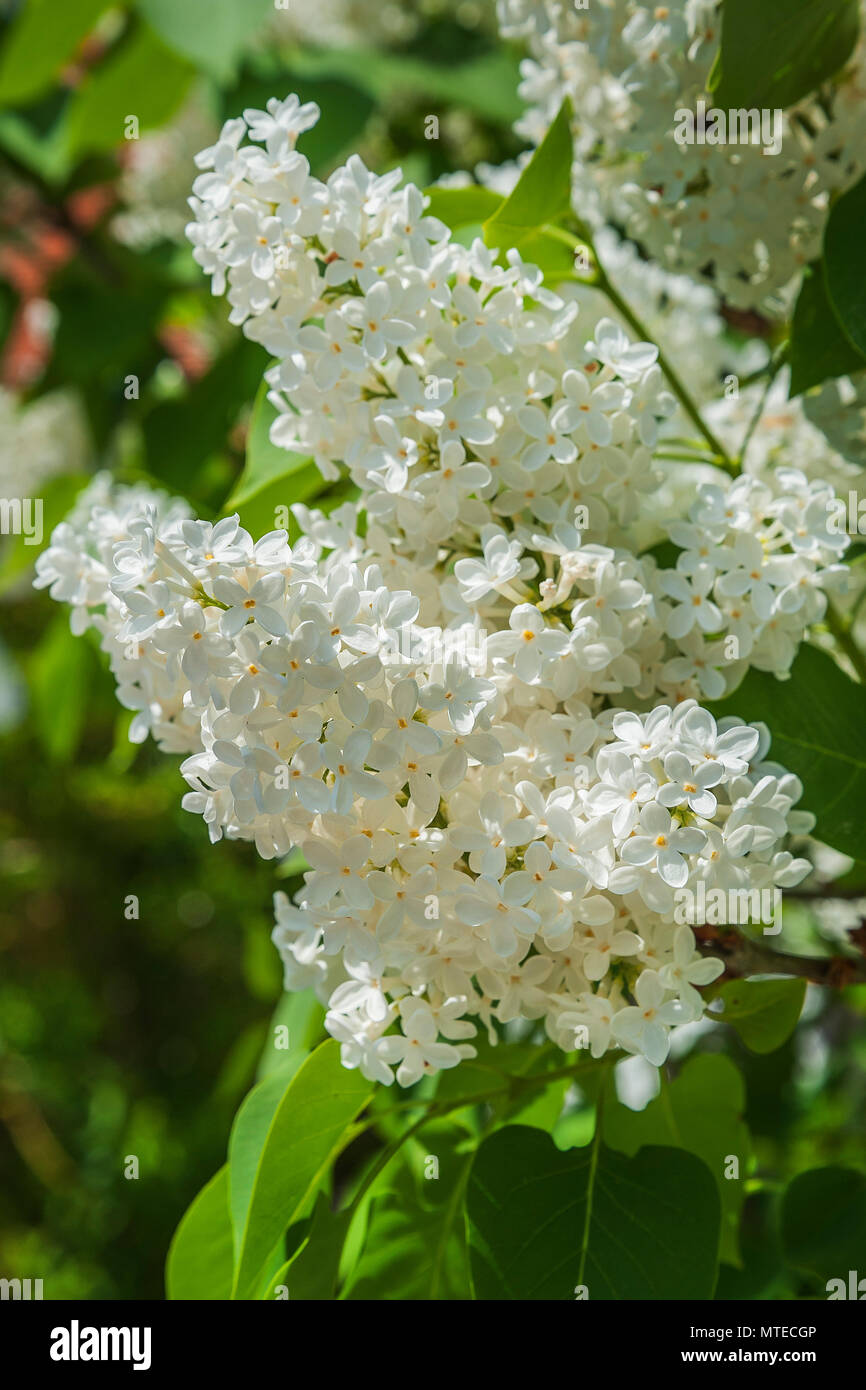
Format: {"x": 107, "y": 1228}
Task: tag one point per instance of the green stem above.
{"x": 680, "y": 442}
{"x": 772, "y": 373}
{"x": 600, "y": 281}
{"x": 679, "y": 388}
{"x": 451, "y": 1214}
{"x": 590, "y": 1186}
{"x": 689, "y": 458}
{"x": 390, "y": 1151}
{"x": 511, "y": 1085}
{"x": 576, "y": 243}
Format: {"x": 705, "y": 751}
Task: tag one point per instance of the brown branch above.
{"x": 744, "y": 957}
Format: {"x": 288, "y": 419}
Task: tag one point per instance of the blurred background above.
{"x": 125, "y": 1034}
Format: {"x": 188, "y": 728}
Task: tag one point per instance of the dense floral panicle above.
{"x": 629, "y": 67}
{"x": 493, "y": 441}
{"x": 480, "y": 847}
{"x": 471, "y": 698}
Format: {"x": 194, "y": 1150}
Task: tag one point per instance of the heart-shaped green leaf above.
{"x": 589, "y": 1222}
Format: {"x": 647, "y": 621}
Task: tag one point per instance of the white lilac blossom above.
{"x": 492, "y": 437}
{"x": 466, "y": 697}
{"x": 755, "y": 218}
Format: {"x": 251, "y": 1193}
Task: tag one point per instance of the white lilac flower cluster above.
{"x": 822, "y": 434}
{"x": 675, "y": 309}
{"x": 466, "y": 698}
{"x": 628, "y": 67}
{"x": 472, "y": 857}
{"x": 503, "y": 459}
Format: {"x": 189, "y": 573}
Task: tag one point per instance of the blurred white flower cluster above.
{"x": 39, "y": 440}
{"x": 467, "y": 697}
{"x": 154, "y": 180}
{"x": 628, "y": 67}
{"x": 342, "y": 23}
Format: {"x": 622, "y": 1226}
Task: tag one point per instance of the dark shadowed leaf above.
{"x": 843, "y": 258}
{"x": 700, "y": 1111}
{"x": 778, "y": 51}
{"x": 545, "y": 1224}
{"x": 824, "y": 1222}
{"x": 819, "y": 348}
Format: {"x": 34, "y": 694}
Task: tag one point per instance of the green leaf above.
{"x": 41, "y": 40}
{"x": 273, "y": 478}
{"x": 827, "y": 754}
{"x": 199, "y": 1264}
{"x": 86, "y": 353}
{"x": 761, "y": 1272}
{"x": 300, "y": 1014}
{"x": 819, "y": 349}
{"x": 486, "y": 85}
{"x": 268, "y": 466}
{"x": 500, "y": 1069}
{"x": 543, "y": 1223}
{"x": 700, "y": 1111}
{"x": 182, "y": 433}
{"x": 247, "y": 1140}
{"x": 312, "y": 1271}
{"x": 843, "y": 259}
{"x": 541, "y": 1106}
{"x": 279, "y": 1153}
{"x": 45, "y": 152}
{"x": 415, "y": 1246}
{"x": 463, "y": 207}
{"x": 539, "y": 200}
{"x": 763, "y": 1012}
{"x": 823, "y": 1221}
{"x": 62, "y": 664}
{"x": 142, "y": 78}
{"x": 778, "y": 51}
{"x": 210, "y": 33}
